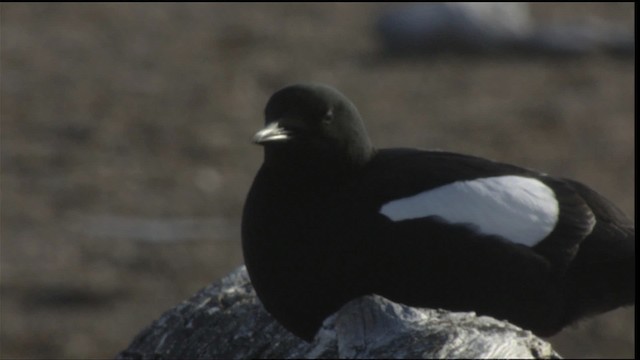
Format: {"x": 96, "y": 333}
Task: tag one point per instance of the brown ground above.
{"x": 147, "y": 111}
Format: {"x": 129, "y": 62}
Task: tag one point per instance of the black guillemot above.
{"x": 330, "y": 218}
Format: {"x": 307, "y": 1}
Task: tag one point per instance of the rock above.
{"x": 226, "y": 320}
{"x": 493, "y": 28}
{"x": 454, "y": 27}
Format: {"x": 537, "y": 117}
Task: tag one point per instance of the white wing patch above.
{"x": 520, "y": 209}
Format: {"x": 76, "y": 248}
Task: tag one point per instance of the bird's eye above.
{"x": 328, "y": 117}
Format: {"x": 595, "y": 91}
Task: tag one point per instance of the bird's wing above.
{"x": 519, "y": 205}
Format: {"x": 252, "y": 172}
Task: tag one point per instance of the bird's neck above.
{"x": 322, "y": 167}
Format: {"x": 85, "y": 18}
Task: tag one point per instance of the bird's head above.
{"x": 313, "y": 122}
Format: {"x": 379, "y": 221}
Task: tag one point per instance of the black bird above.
{"x": 330, "y": 218}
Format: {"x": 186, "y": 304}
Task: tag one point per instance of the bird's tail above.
{"x": 602, "y": 286}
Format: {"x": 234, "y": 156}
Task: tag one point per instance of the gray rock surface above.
{"x": 226, "y": 320}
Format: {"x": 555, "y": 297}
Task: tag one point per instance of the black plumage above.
{"x": 315, "y": 237}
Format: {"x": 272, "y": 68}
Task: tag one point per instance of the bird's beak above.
{"x": 273, "y": 132}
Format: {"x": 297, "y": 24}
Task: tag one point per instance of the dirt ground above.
{"x": 145, "y": 112}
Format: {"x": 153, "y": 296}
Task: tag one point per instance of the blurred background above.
{"x": 126, "y": 153}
